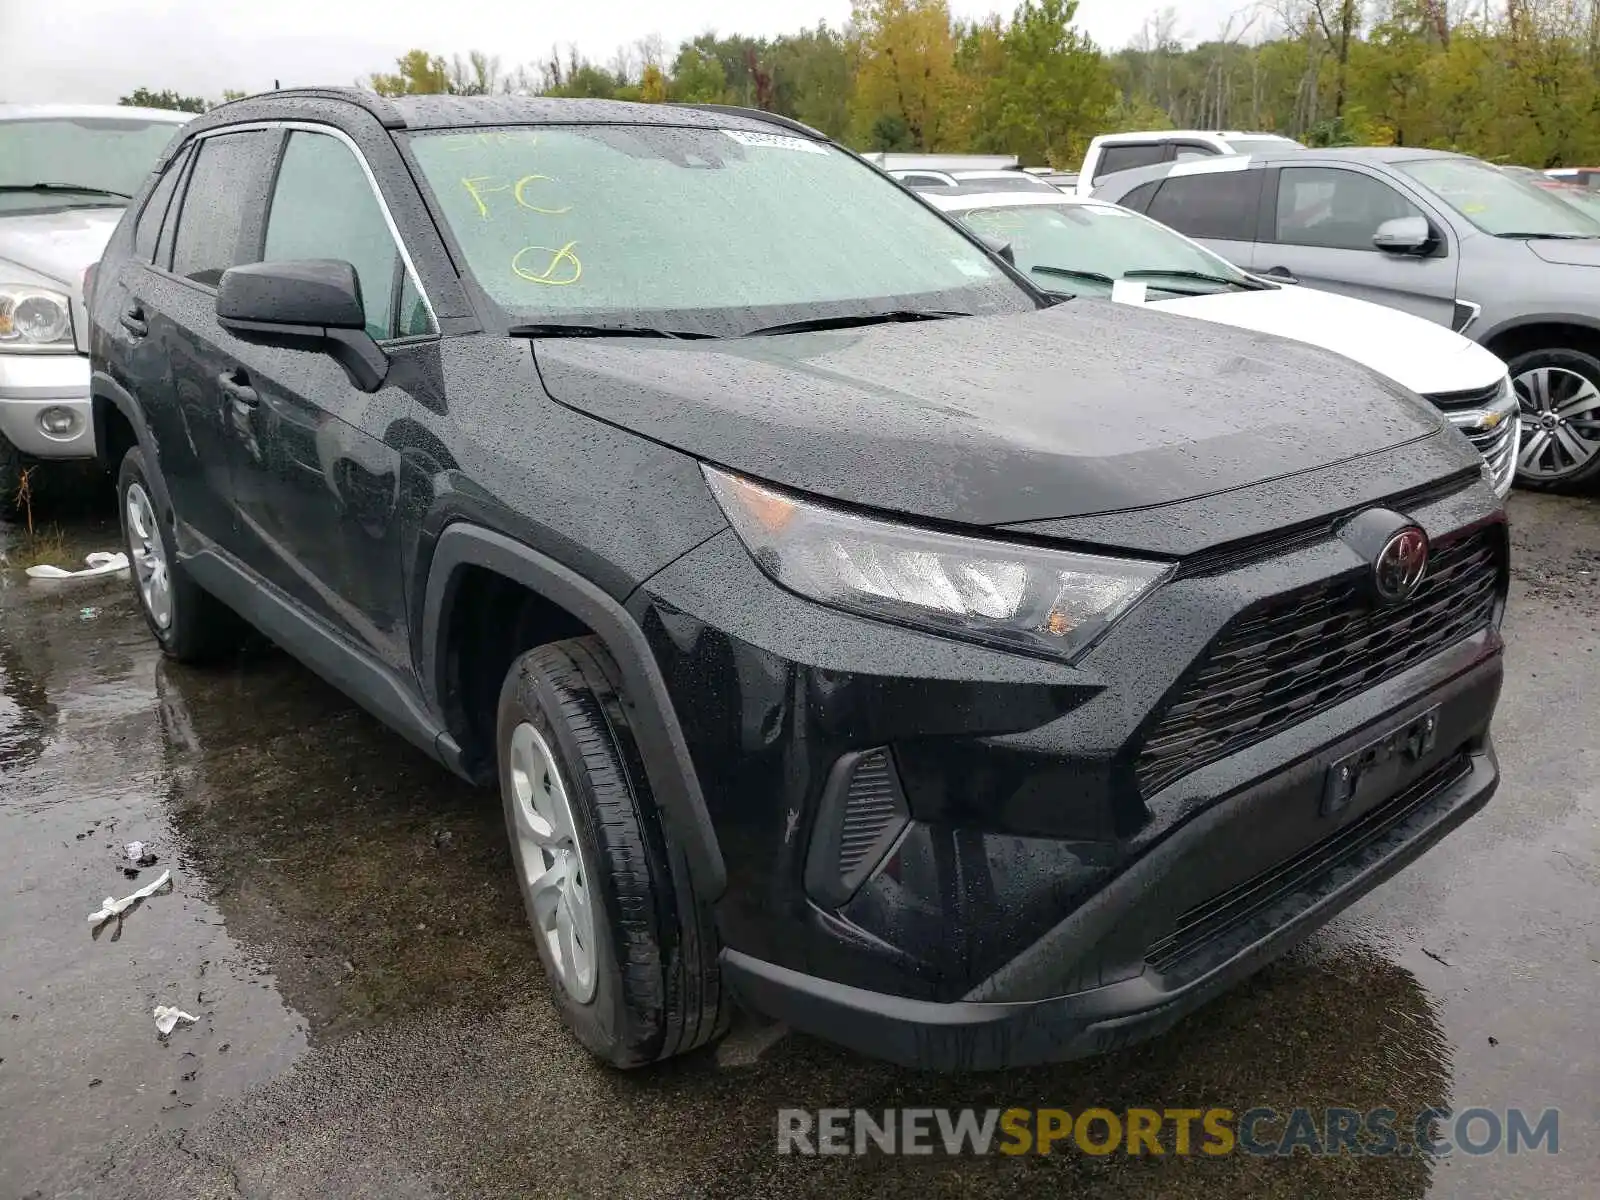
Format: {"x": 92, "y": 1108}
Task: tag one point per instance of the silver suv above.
{"x": 66, "y": 172}
{"x": 1445, "y": 236}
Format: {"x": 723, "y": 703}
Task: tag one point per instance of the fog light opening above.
{"x": 57, "y": 422}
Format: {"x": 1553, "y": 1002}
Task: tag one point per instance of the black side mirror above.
{"x": 1001, "y": 247}
{"x": 311, "y": 301}
{"x": 1404, "y": 235}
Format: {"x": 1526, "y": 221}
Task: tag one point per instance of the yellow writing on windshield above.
{"x": 523, "y": 200}
{"x": 560, "y": 269}
{"x": 477, "y": 186}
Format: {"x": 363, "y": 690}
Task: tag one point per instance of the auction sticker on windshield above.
{"x": 775, "y": 141}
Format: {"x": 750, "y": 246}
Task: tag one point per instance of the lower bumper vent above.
{"x": 861, "y": 816}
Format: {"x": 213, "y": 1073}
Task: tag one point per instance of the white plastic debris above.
{"x": 167, "y": 1019}
{"x": 110, "y": 908}
{"x": 135, "y": 851}
{"x": 99, "y": 563}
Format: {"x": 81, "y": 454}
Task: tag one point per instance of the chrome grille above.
{"x": 1292, "y": 656}
{"x": 1489, "y": 419}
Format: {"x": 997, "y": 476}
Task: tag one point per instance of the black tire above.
{"x": 200, "y": 628}
{"x": 657, "y": 988}
{"x": 1583, "y": 478}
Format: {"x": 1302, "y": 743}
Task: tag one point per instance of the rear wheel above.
{"x": 629, "y": 951}
{"x": 190, "y": 623}
{"x": 1559, "y": 395}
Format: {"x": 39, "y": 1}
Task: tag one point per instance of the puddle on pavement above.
{"x": 346, "y": 909}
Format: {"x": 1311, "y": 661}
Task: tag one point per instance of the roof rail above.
{"x": 761, "y": 114}
{"x": 375, "y": 104}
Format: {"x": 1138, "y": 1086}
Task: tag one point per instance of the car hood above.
{"x": 1077, "y": 409}
{"x": 1567, "y": 253}
{"x": 1414, "y": 352}
{"x": 58, "y": 245}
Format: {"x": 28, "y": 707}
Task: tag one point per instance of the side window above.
{"x": 1217, "y": 204}
{"x": 1183, "y": 150}
{"x": 1335, "y": 209}
{"x": 413, "y": 319}
{"x": 148, "y": 231}
{"x": 214, "y": 204}
{"x": 1125, "y": 158}
{"x": 1139, "y": 198}
{"x": 323, "y": 206}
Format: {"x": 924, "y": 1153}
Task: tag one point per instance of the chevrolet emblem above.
{"x": 1491, "y": 419}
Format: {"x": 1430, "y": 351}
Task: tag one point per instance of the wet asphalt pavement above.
{"x": 372, "y": 1022}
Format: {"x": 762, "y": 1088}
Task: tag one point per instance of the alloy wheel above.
{"x": 1560, "y": 422}
{"x": 551, "y": 860}
{"x": 149, "y": 556}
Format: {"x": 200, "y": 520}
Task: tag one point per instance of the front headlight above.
{"x": 34, "y": 318}
{"x": 1046, "y": 602}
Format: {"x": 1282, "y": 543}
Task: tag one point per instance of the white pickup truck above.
{"x": 1113, "y": 152}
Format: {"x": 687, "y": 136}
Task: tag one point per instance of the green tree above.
{"x": 166, "y": 98}
{"x": 1052, "y": 91}
{"x": 417, "y": 73}
{"x": 907, "y": 69}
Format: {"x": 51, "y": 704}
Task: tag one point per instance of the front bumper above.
{"x": 31, "y": 385}
{"x": 1014, "y": 871}
{"x": 1244, "y": 925}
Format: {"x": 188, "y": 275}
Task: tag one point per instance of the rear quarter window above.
{"x": 1125, "y": 158}
{"x": 1218, "y": 205}
{"x": 148, "y": 231}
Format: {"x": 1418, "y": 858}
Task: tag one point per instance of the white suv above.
{"x": 1113, "y": 152}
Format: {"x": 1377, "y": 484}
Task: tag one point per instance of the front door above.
{"x": 1321, "y": 233}
{"x": 315, "y": 483}
{"x": 171, "y": 310}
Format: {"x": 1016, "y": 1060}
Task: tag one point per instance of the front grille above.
{"x": 1287, "y": 658}
{"x": 1488, "y": 417}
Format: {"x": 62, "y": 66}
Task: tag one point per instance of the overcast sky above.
{"x": 97, "y": 50}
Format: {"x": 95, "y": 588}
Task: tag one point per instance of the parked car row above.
{"x": 858, "y": 620}
{"x": 1446, "y": 237}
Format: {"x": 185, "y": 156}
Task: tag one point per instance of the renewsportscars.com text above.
{"x": 1203, "y": 1132}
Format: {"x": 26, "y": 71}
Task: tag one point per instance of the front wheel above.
{"x": 629, "y": 951}
{"x": 190, "y": 623}
{"x": 1558, "y": 392}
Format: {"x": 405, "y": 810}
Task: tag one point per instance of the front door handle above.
{"x": 1282, "y": 273}
{"x": 236, "y": 387}
{"x": 133, "y": 320}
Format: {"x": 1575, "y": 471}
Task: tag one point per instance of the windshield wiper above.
{"x": 1197, "y": 276}
{"x": 848, "y": 322}
{"x": 1067, "y": 273}
{"x": 575, "y": 330}
{"x": 1549, "y": 237}
{"x": 62, "y": 187}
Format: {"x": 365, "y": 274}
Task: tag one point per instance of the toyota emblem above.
{"x": 1400, "y": 565}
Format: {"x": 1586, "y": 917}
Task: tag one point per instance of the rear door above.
{"x": 1215, "y": 201}
{"x": 206, "y": 222}
{"x": 1318, "y": 227}
{"x": 315, "y": 484}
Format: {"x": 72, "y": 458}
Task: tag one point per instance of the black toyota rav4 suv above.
{"x": 959, "y": 672}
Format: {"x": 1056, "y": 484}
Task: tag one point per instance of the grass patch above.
{"x": 45, "y": 545}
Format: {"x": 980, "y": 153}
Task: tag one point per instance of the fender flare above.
{"x": 1525, "y": 320}
{"x": 103, "y": 390}
{"x": 667, "y": 763}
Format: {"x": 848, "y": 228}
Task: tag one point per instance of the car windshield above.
{"x": 1100, "y": 240}
{"x": 98, "y": 154}
{"x": 696, "y": 230}
{"x": 1498, "y": 203}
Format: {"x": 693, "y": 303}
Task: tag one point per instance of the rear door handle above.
{"x": 236, "y": 387}
{"x": 133, "y": 321}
